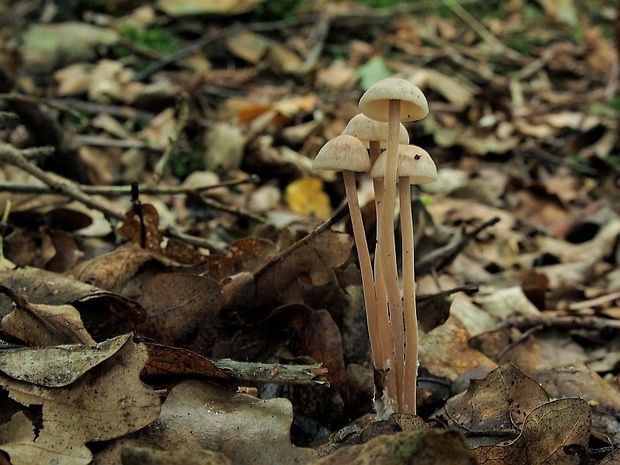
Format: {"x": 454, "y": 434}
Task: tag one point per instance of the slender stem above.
{"x": 374, "y": 330}
{"x": 387, "y": 246}
{"x": 409, "y": 304}
{"x": 388, "y": 392}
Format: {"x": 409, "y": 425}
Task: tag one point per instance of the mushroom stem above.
{"x": 386, "y": 393}
{"x": 387, "y": 247}
{"x": 370, "y": 298}
{"x": 409, "y": 303}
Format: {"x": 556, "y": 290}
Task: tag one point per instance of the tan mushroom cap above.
{"x": 375, "y": 101}
{"x": 413, "y": 162}
{"x": 366, "y": 129}
{"x": 342, "y": 153}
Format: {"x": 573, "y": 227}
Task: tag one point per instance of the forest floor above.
{"x": 179, "y": 286}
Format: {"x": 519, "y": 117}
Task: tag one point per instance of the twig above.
{"x": 117, "y": 143}
{"x": 124, "y": 111}
{"x": 45, "y": 129}
{"x": 195, "y": 241}
{"x": 237, "y": 211}
{"x": 119, "y": 191}
{"x": 22, "y": 304}
{"x": 443, "y": 256}
{"x": 555, "y": 320}
{"x": 163, "y": 162}
{"x": 595, "y": 302}
{"x": 483, "y": 32}
{"x": 319, "y": 36}
{"x": 274, "y": 372}
{"x": 58, "y": 184}
{"x": 327, "y": 224}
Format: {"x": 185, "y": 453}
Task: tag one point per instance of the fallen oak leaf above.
{"x": 197, "y": 415}
{"x": 44, "y": 325}
{"x": 422, "y": 447}
{"x": 177, "y": 305}
{"x": 550, "y": 434}
{"x": 108, "y": 401}
{"x": 114, "y": 270}
{"x": 311, "y": 259}
{"x": 495, "y": 406}
{"x": 44, "y": 287}
{"x": 133, "y": 455}
{"x": 165, "y": 361}
{"x": 57, "y": 366}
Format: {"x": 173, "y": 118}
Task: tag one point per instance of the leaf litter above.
{"x": 187, "y": 289}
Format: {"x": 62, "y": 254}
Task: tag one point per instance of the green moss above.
{"x": 155, "y": 38}
{"x": 277, "y": 9}
{"x": 185, "y": 164}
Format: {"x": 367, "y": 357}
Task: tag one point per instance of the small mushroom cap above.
{"x": 413, "y": 162}
{"x": 342, "y": 153}
{"x": 366, "y": 129}
{"x": 413, "y": 104}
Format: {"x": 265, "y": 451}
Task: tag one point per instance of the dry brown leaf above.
{"x": 114, "y": 270}
{"x": 178, "y": 305}
{"x": 197, "y": 415}
{"x": 248, "y": 45}
{"x": 44, "y": 287}
{"x": 157, "y": 132}
{"x": 108, "y": 401}
{"x": 282, "y": 58}
{"x": 133, "y": 455}
{"x": 494, "y": 406}
{"x": 55, "y": 324}
{"x": 49, "y": 46}
{"x": 141, "y": 226}
{"x": 578, "y": 380}
{"x": 67, "y": 252}
{"x": 174, "y": 361}
{"x": 504, "y": 303}
{"x": 247, "y": 254}
{"x": 281, "y": 280}
{"x": 424, "y": 447}
{"x": 546, "y": 437}
{"x": 57, "y": 366}
{"x": 446, "y": 352}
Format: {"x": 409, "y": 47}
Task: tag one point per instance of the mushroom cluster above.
{"x": 390, "y": 299}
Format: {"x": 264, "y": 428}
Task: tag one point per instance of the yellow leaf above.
{"x": 306, "y": 197}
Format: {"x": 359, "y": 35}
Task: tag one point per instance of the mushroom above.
{"x": 370, "y": 131}
{"x": 415, "y": 166}
{"x": 392, "y": 100}
{"x": 374, "y": 135}
{"x": 348, "y": 154}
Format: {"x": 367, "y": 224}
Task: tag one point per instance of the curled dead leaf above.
{"x": 106, "y": 402}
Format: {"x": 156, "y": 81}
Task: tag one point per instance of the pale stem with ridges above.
{"x": 363, "y": 255}
{"x": 409, "y": 303}
{"x": 387, "y": 246}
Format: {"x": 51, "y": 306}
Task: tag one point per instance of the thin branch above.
{"x": 274, "y": 372}
{"x": 119, "y": 191}
{"x": 237, "y": 211}
{"x": 562, "y": 321}
{"x": 164, "y": 161}
{"x": 482, "y": 31}
{"x": 58, "y": 184}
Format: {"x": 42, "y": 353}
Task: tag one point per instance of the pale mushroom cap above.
{"x": 413, "y": 104}
{"x": 366, "y": 129}
{"x": 413, "y": 162}
{"x": 342, "y": 153}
